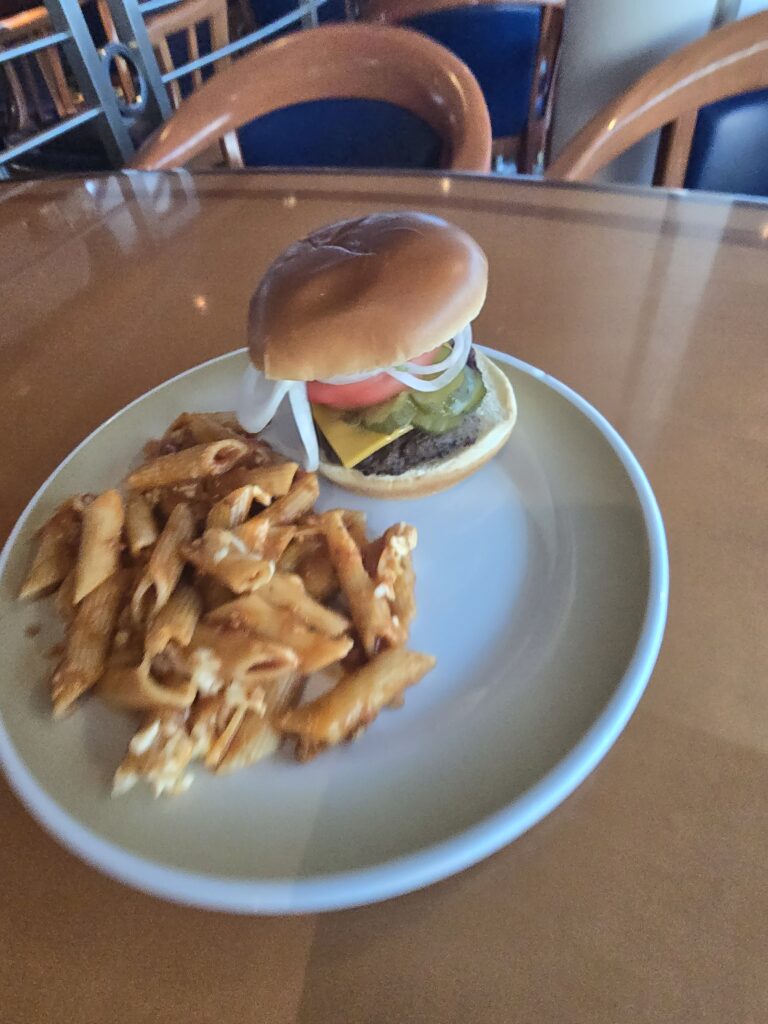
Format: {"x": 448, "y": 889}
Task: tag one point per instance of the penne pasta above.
{"x": 165, "y": 500}
{"x": 56, "y": 551}
{"x": 273, "y": 481}
{"x": 288, "y": 591}
{"x": 208, "y": 718}
{"x": 319, "y": 575}
{"x": 88, "y": 642}
{"x": 235, "y": 508}
{"x": 140, "y": 526}
{"x": 189, "y": 464}
{"x": 356, "y": 526}
{"x": 258, "y": 736}
{"x": 404, "y": 602}
{"x": 394, "y": 576}
{"x": 175, "y": 621}
{"x": 312, "y": 525}
{"x": 300, "y": 499}
{"x": 221, "y": 743}
{"x": 212, "y": 592}
{"x": 133, "y": 688}
{"x": 206, "y": 597}
{"x": 160, "y": 753}
{"x": 230, "y": 742}
{"x": 164, "y": 567}
{"x": 269, "y": 542}
{"x": 64, "y": 600}
{"x": 255, "y": 738}
{"x": 99, "y": 554}
{"x": 253, "y": 533}
{"x": 299, "y": 548}
{"x": 369, "y": 610}
{"x": 355, "y": 701}
{"x": 221, "y": 554}
{"x": 253, "y": 612}
{"x": 221, "y": 654}
{"x": 205, "y": 427}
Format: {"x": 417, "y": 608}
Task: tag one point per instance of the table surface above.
{"x": 644, "y": 897}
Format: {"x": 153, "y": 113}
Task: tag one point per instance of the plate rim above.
{"x": 413, "y": 871}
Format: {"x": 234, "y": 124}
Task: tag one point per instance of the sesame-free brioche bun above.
{"x": 497, "y": 412}
{"x": 364, "y": 293}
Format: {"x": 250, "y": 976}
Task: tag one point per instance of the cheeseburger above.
{"x": 361, "y": 345}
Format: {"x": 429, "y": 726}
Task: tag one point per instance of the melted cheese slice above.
{"x": 351, "y": 443}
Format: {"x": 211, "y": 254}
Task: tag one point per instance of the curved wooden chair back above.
{"x": 731, "y": 60}
{"x": 333, "y": 62}
{"x": 530, "y": 149}
{"x": 185, "y": 17}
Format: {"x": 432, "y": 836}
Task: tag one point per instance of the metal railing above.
{"x": 89, "y": 69}
{"x": 118, "y": 121}
{"x": 129, "y": 18}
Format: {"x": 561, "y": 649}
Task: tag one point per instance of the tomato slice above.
{"x": 365, "y": 392}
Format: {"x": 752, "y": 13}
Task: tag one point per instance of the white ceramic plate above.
{"x": 542, "y": 587}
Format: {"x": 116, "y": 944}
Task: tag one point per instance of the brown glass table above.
{"x": 644, "y": 897}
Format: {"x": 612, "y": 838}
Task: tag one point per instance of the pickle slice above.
{"x": 386, "y": 417}
{"x": 434, "y": 411}
{"x": 440, "y": 417}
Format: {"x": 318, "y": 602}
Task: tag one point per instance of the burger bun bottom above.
{"x": 497, "y": 412}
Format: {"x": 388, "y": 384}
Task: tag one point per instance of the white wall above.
{"x": 607, "y": 44}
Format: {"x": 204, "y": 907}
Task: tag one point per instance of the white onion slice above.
{"x": 352, "y": 378}
{"x": 259, "y": 399}
{"x": 456, "y": 363}
{"x": 302, "y": 413}
{"x": 458, "y": 355}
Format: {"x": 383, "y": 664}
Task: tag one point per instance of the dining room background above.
{"x": 82, "y": 84}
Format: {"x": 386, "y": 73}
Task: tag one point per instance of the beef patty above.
{"x": 412, "y": 449}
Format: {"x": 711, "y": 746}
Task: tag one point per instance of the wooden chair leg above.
{"x": 674, "y": 151}
{"x": 166, "y": 65}
{"x": 53, "y": 72}
{"x": 507, "y": 147}
{"x": 230, "y": 150}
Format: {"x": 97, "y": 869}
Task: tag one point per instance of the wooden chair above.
{"x": 535, "y": 75}
{"x": 34, "y": 24}
{"x": 185, "y": 18}
{"x": 367, "y": 62}
{"x": 731, "y": 60}
{"x": 23, "y": 28}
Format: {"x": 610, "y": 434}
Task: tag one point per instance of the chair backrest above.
{"x": 512, "y": 48}
{"x": 731, "y": 60}
{"x": 184, "y": 20}
{"x": 729, "y": 152}
{"x": 35, "y": 22}
{"x": 367, "y": 62}
{"x": 43, "y": 66}
{"x": 265, "y": 11}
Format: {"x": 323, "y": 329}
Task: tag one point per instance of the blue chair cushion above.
{"x": 177, "y": 45}
{"x": 265, "y": 11}
{"x": 332, "y": 10}
{"x": 340, "y": 133}
{"x": 498, "y": 44}
{"x": 729, "y": 152}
